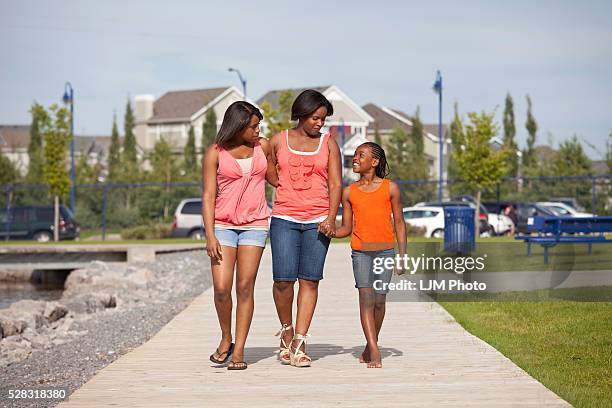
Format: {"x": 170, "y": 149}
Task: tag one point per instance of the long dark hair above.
{"x": 382, "y": 168}
{"x": 237, "y": 117}
{"x": 308, "y": 102}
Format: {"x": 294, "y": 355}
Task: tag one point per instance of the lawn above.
{"x": 564, "y": 344}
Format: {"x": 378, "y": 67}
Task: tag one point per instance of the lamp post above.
{"x": 68, "y": 98}
{"x": 438, "y": 89}
{"x": 242, "y": 81}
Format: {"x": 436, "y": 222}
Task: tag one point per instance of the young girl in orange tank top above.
{"x": 374, "y": 204}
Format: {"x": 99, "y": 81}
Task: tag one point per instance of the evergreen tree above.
{"x": 609, "y": 153}
{"x": 416, "y": 133}
{"x": 190, "y": 161}
{"x": 129, "y": 140}
{"x": 35, "y": 148}
{"x": 377, "y": 138}
{"x": 509, "y": 134}
{"x": 571, "y": 160}
{"x": 532, "y": 128}
{"x": 209, "y": 130}
{"x": 114, "y": 153}
{"x": 456, "y": 136}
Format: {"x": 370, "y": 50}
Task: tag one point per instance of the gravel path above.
{"x": 178, "y": 279}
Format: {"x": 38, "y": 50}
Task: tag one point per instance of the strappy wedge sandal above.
{"x": 283, "y": 351}
{"x": 297, "y": 357}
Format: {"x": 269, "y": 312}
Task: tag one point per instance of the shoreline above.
{"x": 97, "y": 339}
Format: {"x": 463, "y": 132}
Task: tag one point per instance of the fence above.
{"x": 104, "y": 206}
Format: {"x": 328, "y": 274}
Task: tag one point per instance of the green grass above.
{"x": 564, "y": 344}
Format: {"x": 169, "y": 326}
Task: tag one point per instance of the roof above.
{"x": 600, "y": 167}
{"x": 14, "y": 136}
{"x": 383, "y": 120}
{"x": 181, "y": 105}
{"x": 272, "y": 96}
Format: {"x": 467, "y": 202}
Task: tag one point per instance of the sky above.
{"x": 385, "y": 52}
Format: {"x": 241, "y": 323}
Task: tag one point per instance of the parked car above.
{"x": 525, "y": 211}
{"x": 430, "y": 218}
{"x": 500, "y": 223}
{"x": 571, "y": 201}
{"x": 187, "y": 221}
{"x": 562, "y": 209}
{"x": 485, "y": 229}
{"x": 36, "y": 223}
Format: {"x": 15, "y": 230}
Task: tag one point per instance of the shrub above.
{"x": 152, "y": 231}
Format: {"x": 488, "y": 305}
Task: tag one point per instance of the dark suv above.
{"x": 36, "y": 223}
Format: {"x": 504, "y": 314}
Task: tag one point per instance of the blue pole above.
{"x": 593, "y": 196}
{"x": 438, "y": 88}
{"x": 342, "y": 149}
{"x": 69, "y": 98}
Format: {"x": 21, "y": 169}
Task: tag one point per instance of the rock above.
{"x": 12, "y": 327}
{"x": 54, "y": 311}
{"x": 91, "y": 302}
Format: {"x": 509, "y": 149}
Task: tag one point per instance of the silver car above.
{"x": 187, "y": 221}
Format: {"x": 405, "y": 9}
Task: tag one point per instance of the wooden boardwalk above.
{"x": 429, "y": 360}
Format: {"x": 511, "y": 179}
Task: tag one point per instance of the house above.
{"x": 386, "y": 120}
{"x": 348, "y": 125}
{"x": 15, "y": 139}
{"x": 172, "y": 114}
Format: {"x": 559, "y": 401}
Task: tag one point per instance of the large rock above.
{"x": 107, "y": 278}
{"x": 91, "y": 302}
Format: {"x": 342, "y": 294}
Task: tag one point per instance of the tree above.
{"x": 9, "y": 173}
{"x": 532, "y": 128}
{"x": 35, "y": 148}
{"x": 456, "y": 135}
{"x": 114, "y": 152}
{"x": 129, "y": 140}
{"x": 280, "y": 118}
{"x": 55, "y": 130}
{"x": 480, "y": 166}
{"x": 416, "y": 133}
{"x": 609, "y": 153}
{"x": 190, "y": 161}
{"x": 164, "y": 170}
{"x": 209, "y": 129}
{"x": 377, "y": 138}
{"x": 571, "y": 160}
{"x": 509, "y": 133}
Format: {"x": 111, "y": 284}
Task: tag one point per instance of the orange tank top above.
{"x": 372, "y": 215}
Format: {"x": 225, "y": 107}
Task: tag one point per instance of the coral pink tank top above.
{"x": 302, "y": 181}
{"x": 241, "y": 198}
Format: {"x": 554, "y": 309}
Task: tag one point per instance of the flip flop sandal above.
{"x": 228, "y": 353}
{"x": 237, "y": 365}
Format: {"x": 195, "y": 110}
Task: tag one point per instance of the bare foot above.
{"x": 365, "y": 356}
{"x": 375, "y": 359}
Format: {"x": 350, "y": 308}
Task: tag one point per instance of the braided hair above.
{"x": 382, "y": 168}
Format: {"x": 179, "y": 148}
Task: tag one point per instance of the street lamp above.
{"x": 242, "y": 81}
{"x": 68, "y": 98}
{"x": 438, "y": 89}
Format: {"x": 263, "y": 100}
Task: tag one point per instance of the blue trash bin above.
{"x": 459, "y": 236}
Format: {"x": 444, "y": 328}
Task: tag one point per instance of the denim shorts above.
{"x": 235, "y": 237}
{"x": 298, "y": 250}
{"x": 367, "y": 270}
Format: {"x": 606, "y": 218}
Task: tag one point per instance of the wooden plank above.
{"x": 429, "y": 360}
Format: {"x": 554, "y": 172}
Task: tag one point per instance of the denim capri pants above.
{"x": 369, "y": 266}
{"x": 298, "y": 250}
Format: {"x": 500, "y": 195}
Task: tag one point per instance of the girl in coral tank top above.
{"x": 374, "y": 204}
{"x": 235, "y": 212}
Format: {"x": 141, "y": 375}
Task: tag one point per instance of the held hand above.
{"x": 213, "y": 247}
{"x": 327, "y": 228}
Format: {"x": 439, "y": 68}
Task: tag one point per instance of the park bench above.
{"x": 566, "y": 230}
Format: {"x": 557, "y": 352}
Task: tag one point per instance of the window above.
{"x": 429, "y": 214}
{"x": 192, "y": 207}
{"x": 413, "y": 214}
{"x": 44, "y": 214}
